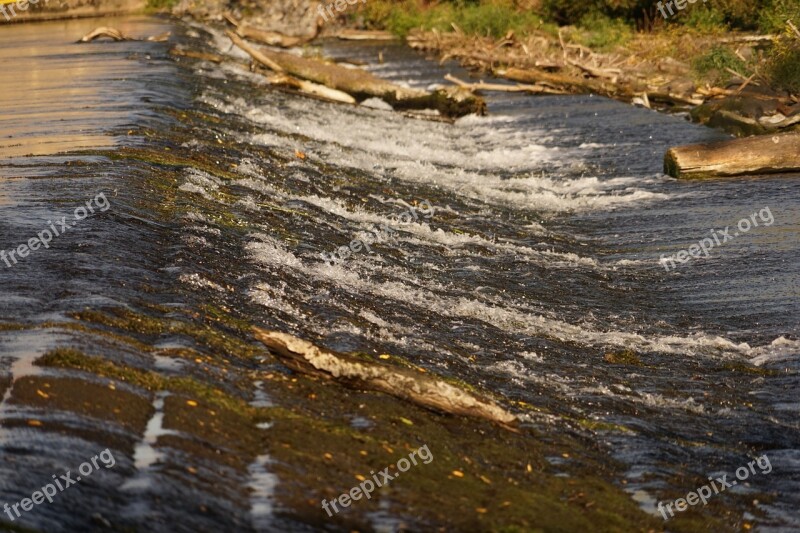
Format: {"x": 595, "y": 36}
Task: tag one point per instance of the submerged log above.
{"x": 432, "y": 393}
{"x": 753, "y": 155}
{"x": 362, "y": 84}
{"x": 214, "y": 58}
{"x": 104, "y": 31}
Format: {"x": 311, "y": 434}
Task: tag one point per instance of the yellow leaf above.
{"x": 482, "y": 510}
{"x": 42, "y": 394}
{"x": 384, "y": 356}
{"x": 406, "y": 421}
{"x": 34, "y": 422}
{"x": 328, "y": 456}
{"x": 360, "y": 477}
{"x": 458, "y": 473}
{"x": 191, "y": 403}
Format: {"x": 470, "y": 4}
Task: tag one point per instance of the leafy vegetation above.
{"x": 773, "y": 18}
{"x": 493, "y": 19}
{"x": 600, "y": 32}
{"x": 603, "y": 25}
{"x": 783, "y": 65}
{"x": 715, "y": 63}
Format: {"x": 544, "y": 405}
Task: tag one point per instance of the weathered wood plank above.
{"x": 421, "y": 389}
{"x": 768, "y": 154}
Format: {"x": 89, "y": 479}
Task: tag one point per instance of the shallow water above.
{"x": 540, "y": 255}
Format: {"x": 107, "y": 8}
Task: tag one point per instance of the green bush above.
{"x": 712, "y": 64}
{"x": 602, "y": 33}
{"x": 706, "y": 19}
{"x": 493, "y": 18}
{"x": 569, "y": 11}
{"x": 773, "y": 18}
{"x": 784, "y": 69}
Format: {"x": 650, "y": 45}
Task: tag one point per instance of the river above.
{"x": 523, "y": 247}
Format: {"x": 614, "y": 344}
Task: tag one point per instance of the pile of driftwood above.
{"x": 351, "y": 85}
{"x": 547, "y": 65}
{"x": 321, "y": 79}
{"x": 342, "y": 84}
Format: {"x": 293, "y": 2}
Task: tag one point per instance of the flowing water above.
{"x": 522, "y": 248}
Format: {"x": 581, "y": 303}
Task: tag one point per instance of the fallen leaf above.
{"x": 482, "y": 510}
{"x": 458, "y": 473}
{"x": 42, "y": 394}
{"x": 360, "y": 477}
{"x": 406, "y": 421}
{"x": 328, "y": 456}
{"x": 299, "y": 154}
{"x": 486, "y": 480}
{"x": 34, "y": 422}
{"x": 384, "y": 356}
{"x": 191, "y": 403}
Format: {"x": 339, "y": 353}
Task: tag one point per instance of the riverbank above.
{"x": 744, "y": 82}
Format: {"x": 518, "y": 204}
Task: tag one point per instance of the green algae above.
{"x": 220, "y": 342}
{"x": 747, "y": 368}
{"x": 146, "y": 379}
{"x": 622, "y": 357}
{"x": 481, "y": 478}
{"x": 599, "y": 425}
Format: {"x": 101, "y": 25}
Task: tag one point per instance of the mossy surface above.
{"x": 205, "y": 335}
{"x": 622, "y": 357}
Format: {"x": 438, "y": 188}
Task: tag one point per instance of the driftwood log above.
{"x": 116, "y": 35}
{"x": 361, "y": 84}
{"x": 572, "y": 83}
{"x": 364, "y": 35}
{"x": 104, "y": 31}
{"x": 768, "y": 154}
{"x": 517, "y": 88}
{"x": 429, "y": 392}
{"x": 271, "y": 38}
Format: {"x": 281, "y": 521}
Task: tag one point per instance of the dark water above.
{"x": 540, "y": 256}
